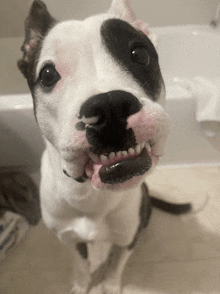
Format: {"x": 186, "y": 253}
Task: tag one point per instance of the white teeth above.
{"x": 103, "y": 158}
{"x": 93, "y": 156}
{"x": 131, "y": 151}
{"x": 142, "y": 145}
{"x": 147, "y": 146}
{"x": 112, "y": 155}
{"x": 138, "y": 148}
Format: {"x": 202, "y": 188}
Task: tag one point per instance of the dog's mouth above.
{"x": 116, "y": 168}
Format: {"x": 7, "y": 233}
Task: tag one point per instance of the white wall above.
{"x": 155, "y": 12}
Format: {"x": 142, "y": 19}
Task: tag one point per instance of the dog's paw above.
{"x": 78, "y": 289}
{"x": 108, "y": 288}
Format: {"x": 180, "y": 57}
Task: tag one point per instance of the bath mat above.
{"x": 12, "y": 229}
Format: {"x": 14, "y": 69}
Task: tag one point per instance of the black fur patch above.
{"x": 80, "y": 126}
{"x": 120, "y": 39}
{"x": 145, "y": 213}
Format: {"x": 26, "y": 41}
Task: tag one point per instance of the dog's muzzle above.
{"x": 104, "y": 117}
{"x": 115, "y": 155}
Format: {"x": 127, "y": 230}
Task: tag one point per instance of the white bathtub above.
{"x": 185, "y": 51}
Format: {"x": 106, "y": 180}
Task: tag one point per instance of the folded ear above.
{"x": 37, "y": 24}
{"x": 123, "y": 10}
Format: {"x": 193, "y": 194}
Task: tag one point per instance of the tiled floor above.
{"x": 175, "y": 254}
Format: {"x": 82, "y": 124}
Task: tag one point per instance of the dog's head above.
{"x": 97, "y": 91}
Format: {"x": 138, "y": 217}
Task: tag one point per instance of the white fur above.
{"x": 80, "y": 212}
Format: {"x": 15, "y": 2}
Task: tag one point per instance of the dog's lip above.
{"x": 108, "y": 164}
{"x": 126, "y": 169}
{"x": 93, "y": 163}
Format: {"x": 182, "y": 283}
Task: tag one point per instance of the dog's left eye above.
{"x": 140, "y": 55}
{"x": 49, "y": 76}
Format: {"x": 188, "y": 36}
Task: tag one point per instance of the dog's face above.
{"x": 97, "y": 90}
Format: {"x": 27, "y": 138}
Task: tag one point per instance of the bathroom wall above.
{"x": 155, "y": 12}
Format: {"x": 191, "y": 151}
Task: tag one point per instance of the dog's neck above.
{"x": 82, "y": 196}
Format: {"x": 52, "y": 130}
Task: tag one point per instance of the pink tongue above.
{"x": 92, "y": 171}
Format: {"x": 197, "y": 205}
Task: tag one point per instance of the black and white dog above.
{"x": 98, "y": 95}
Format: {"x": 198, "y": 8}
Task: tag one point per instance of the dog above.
{"x": 98, "y": 97}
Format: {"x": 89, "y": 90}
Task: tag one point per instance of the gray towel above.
{"x": 12, "y": 229}
{"x": 19, "y": 207}
{"x": 19, "y": 194}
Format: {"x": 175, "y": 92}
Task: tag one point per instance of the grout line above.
{"x": 188, "y": 165}
{"x": 184, "y": 260}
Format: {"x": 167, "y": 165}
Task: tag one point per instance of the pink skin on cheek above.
{"x": 58, "y": 86}
{"x": 143, "y": 124}
{"x": 64, "y": 71}
{"x": 80, "y": 139}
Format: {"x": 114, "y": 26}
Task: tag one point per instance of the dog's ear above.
{"x": 37, "y": 24}
{"x": 122, "y": 9}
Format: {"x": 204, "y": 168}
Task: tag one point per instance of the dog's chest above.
{"x": 117, "y": 227}
{"x": 112, "y": 217}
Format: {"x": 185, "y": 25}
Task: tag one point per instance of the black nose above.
{"x": 105, "y": 119}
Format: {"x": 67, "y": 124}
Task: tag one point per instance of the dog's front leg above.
{"x": 81, "y": 269}
{"x": 114, "y": 269}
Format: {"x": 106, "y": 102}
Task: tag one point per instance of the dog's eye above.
{"x": 140, "y": 55}
{"x": 49, "y": 76}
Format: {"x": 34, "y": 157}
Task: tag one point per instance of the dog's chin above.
{"x": 120, "y": 174}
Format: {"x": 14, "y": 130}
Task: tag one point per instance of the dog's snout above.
{"x": 105, "y": 118}
{"x": 106, "y": 107}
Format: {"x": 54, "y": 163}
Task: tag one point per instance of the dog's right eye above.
{"x": 49, "y": 76}
{"x": 140, "y": 55}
